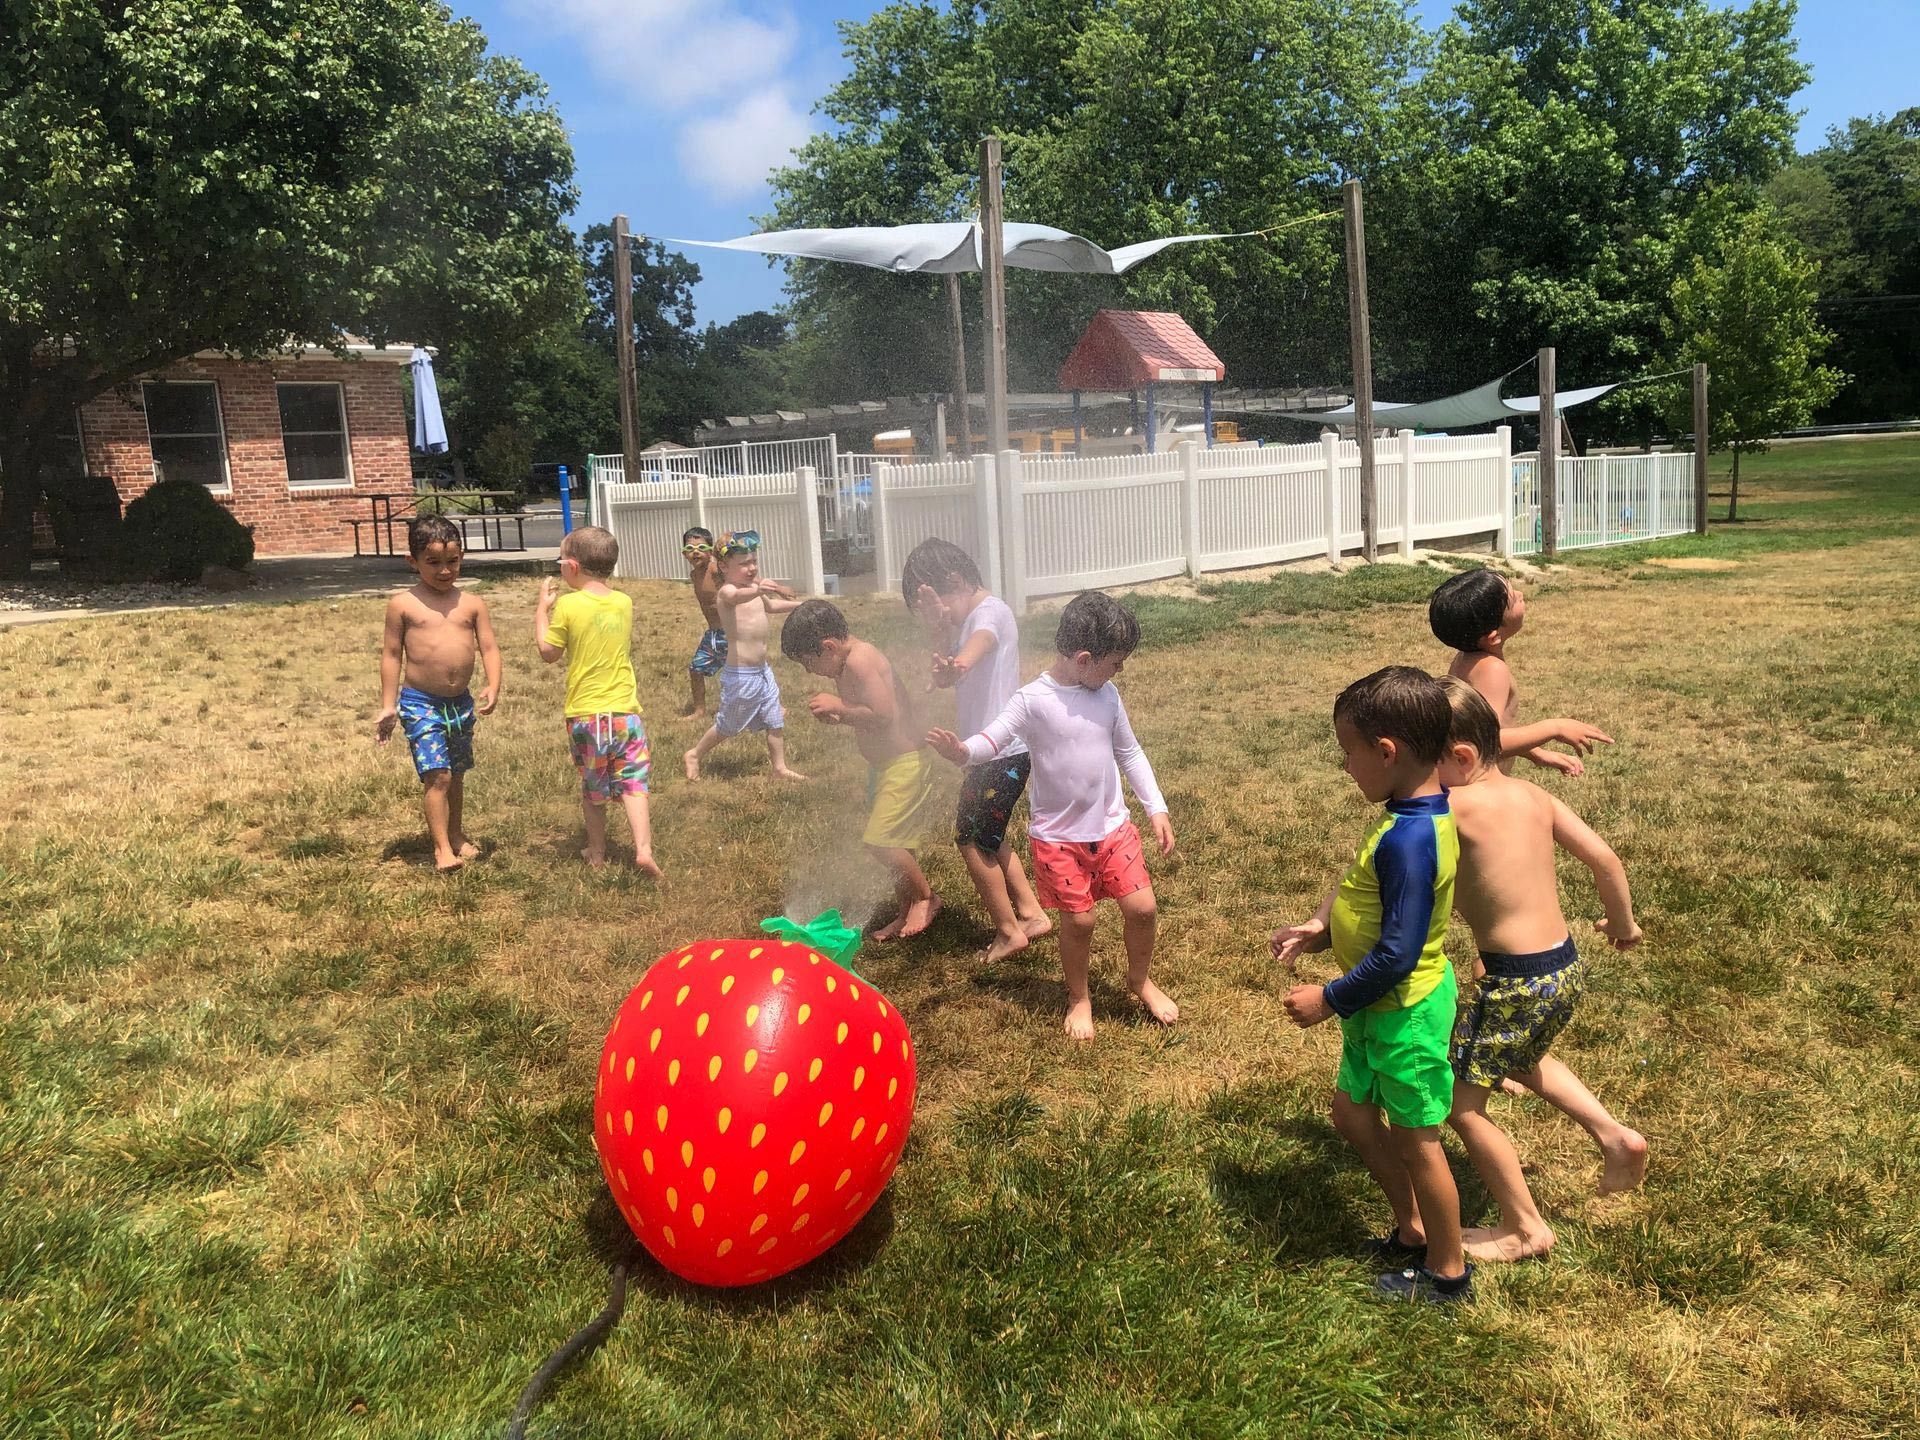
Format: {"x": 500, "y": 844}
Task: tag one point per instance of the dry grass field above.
{"x": 294, "y": 1132}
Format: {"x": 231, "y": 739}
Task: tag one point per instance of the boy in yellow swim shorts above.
{"x": 874, "y": 704}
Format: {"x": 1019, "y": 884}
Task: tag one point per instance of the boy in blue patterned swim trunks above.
{"x": 434, "y": 633}
{"x": 710, "y": 655}
{"x": 1533, "y": 975}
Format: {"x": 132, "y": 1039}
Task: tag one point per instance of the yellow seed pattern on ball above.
{"x": 646, "y": 999}
{"x": 699, "y": 1214}
{"x": 759, "y": 1134}
{"x": 759, "y": 1224}
{"x": 779, "y": 1082}
{"x": 707, "y": 1178}
{"x": 753, "y": 1013}
{"x": 700, "y": 1025}
{"x": 629, "y": 1067}
{"x": 800, "y": 1194}
{"x": 628, "y": 1121}
{"x": 841, "y": 1183}
{"x": 646, "y": 1159}
{"x": 805, "y": 1011}
{"x": 718, "y": 951}
{"x": 893, "y": 1087}
{"x": 686, "y": 1153}
{"x": 769, "y": 1243}
{"x": 883, "y": 1009}
{"x": 726, "y": 985}
{"x": 723, "y": 1248}
{"x": 826, "y": 1112}
{"x": 858, "y": 1126}
{"x": 623, "y": 1178}
{"x": 685, "y": 960}
{"x": 756, "y": 952}
{"x": 748, "y": 1061}
{"x": 759, "y": 1182}
{"x": 799, "y": 1149}
{"x": 831, "y": 986}
{"x": 778, "y": 974}
{"x": 840, "y": 1035}
{"x": 660, "y": 1117}
{"x": 876, "y": 1042}
{"x": 854, "y": 991}
{"x": 813, "y": 1070}
{"x": 713, "y": 1068}
{"x": 653, "y": 1041}
{"x": 681, "y": 998}
{"x": 607, "y": 1116}
{"x": 724, "y": 1119}
{"x": 667, "y": 1230}
{"x": 673, "y": 1072}
{"x": 880, "y": 1134}
{"x": 859, "y": 1076}
{"x": 673, "y": 1199}
{"x": 800, "y": 1224}
{"x": 613, "y": 1057}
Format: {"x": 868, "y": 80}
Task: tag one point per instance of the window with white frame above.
{"x": 313, "y": 425}
{"x": 184, "y": 428}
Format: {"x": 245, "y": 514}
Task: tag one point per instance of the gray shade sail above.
{"x": 1481, "y": 405}
{"x": 953, "y": 248}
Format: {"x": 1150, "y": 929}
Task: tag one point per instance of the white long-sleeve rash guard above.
{"x": 1080, "y": 740}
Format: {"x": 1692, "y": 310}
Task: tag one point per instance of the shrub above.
{"x": 176, "y": 530}
{"x": 85, "y": 514}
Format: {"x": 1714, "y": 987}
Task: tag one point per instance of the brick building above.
{"x": 292, "y": 445}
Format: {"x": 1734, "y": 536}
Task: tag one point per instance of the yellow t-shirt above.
{"x": 596, "y": 631}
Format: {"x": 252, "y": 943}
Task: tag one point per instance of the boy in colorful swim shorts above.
{"x": 1386, "y": 923}
{"x": 874, "y": 705}
{"x": 1085, "y": 848}
{"x": 434, "y": 632}
{"x": 1532, "y": 976}
{"x": 710, "y": 655}
{"x": 749, "y": 693}
{"x": 1476, "y": 612}
{"x": 977, "y": 656}
{"x": 591, "y": 628}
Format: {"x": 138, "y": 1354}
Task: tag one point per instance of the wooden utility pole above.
{"x": 993, "y": 275}
{"x": 1700, "y": 433}
{"x": 1549, "y": 466}
{"x": 1360, "y": 325}
{"x": 962, "y": 407}
{"x": 623, "y": 347}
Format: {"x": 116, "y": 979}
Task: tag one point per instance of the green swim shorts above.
{"x": 1397, "y": 1059}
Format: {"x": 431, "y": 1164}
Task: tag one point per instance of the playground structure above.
{"x": 1047, "y": 525}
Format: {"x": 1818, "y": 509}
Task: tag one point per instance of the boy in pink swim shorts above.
{"x": 1085, "y": 848}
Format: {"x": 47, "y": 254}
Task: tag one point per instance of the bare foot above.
{"x": 1157, "y": 1003}
{"x": 919, "y": 916}
{"x": 1080, "y": 1020}
{"x": 689, "y": 710}
{"x": 594, "y": 862}
{"x": 1626, "y": 1163}
{"x": 692, "y": 762}
{"x": 785, "y": 773}
{"x": 889, "y": 930}
{"x": 1486, "y": 1242}
{"x": 467, "y": 850}
{"x": 647, "y": 863}
{"x": 1036, "y": 928}
{"x": 1004, "y": 945}
{"x": 448, "y": 863}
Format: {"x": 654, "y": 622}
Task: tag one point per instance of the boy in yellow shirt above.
{"x": 592, "y": 627}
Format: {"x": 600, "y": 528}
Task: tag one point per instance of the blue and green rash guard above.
{"x": 1390, "y": 913}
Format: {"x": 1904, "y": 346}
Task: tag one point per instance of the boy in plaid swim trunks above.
{"x": 591, "y": 628}
{"x": 1533, "y": 975}
{"x": 1085, "y": 848}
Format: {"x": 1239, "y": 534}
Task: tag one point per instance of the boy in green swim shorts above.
{"x": 1386, "y": 922}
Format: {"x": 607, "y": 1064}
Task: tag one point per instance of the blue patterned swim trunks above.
{"x": 710, "y": 654}
{"x": 1524, "y": 1003}
{"x": 439, "y": 728}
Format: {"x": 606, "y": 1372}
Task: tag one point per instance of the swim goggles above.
{"x": 738, "y": 542}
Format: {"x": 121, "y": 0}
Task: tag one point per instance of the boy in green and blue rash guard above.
{"x": 1386, "y": 922}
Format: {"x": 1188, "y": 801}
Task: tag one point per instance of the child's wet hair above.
{"x": 595, "y": 548}
{"x": 696, "y": 532}
{"x": 809, "y": 627}
{"x": 425, "y": 530}
{"x": 1097, "y": 624}
{"x": 1401, "y": 704}
{"x": 1467, "y": 608}
{"x": 933, "y": 563}
{"x": 1474, "y": 722}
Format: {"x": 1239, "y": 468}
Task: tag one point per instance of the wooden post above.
{"x": 623, "y": 347}
{"x": 957, "y": 343}
{"x": 939, "y": 449}
{"x": 1549, "y": 458}
{"x": 1359, "y": 323}
{"x": 993, "y": 275}
{"x": 1700, "y": 435}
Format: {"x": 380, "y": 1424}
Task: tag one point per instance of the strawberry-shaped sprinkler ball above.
{"x": 753, "y": 1099}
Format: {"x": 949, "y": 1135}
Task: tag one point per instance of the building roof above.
{"x": 1128, "y": 349}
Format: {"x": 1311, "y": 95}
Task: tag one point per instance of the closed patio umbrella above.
{"x": 429, "y": 428}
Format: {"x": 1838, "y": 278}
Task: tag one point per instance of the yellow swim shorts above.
{"x": 901, "y": 794}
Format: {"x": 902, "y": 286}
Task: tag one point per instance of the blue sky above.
{"x": 678, "y": 108}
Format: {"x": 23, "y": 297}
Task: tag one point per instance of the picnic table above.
{"x": 483, "y": 527}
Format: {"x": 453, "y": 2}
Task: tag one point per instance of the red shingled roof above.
{"x": 1129, "y": 349}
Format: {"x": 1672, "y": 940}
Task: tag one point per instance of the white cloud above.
{"x": 730, "y": 154}
{"x": 673, "y": 53}
{"x": 713, "y": 69}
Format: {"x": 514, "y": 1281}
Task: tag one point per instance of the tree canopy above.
{"x": 183, "y": 175}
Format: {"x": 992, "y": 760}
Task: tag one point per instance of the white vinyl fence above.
{"x": 1047, "y": 525}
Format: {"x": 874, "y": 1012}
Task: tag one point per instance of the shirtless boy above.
{"x": 873, "y": 704}
{"x": 749, "y": 693}
{"x": 1505, "y": 890}
{"x": 711, "y": 653}
{"x": 1477, "y": 612}
{"x": 434, "y": 632}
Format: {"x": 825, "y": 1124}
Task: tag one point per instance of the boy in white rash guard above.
{"x": 1085, "y": 849}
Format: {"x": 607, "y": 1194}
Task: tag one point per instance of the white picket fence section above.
{"x": 1048, "y": 525}
{"x": 1606, "y": 500}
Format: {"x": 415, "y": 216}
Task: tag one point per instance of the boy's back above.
{"x": 1506, "y": 889}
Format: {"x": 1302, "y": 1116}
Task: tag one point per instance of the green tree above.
{"x": 183, "y": 175}
{"x": 1568, "y": 154}
{"x": 1749, "y": 316}
{"x": 1121, "y": 119}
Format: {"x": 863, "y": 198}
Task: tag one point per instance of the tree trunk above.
{"x": 1733, "y": 494}
{"x": 19, "y": 497}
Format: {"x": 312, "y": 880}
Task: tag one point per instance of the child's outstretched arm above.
{"x": 1307, "y": 938}
{"x": 1526, "y": 739}
{"x": 489, "y": 657}
{"x": 1132, "y": 759}
{"x": 392, "y": 659}
{"x": 1577, "y": 838}
{"x": 1010, "y": 724}
{"x": 950, "y": 670}
{"x": 542, "y": 618}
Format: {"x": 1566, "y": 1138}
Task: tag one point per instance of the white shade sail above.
{"x": 953, "y": 248}
{"x": 1481, "y": 405}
